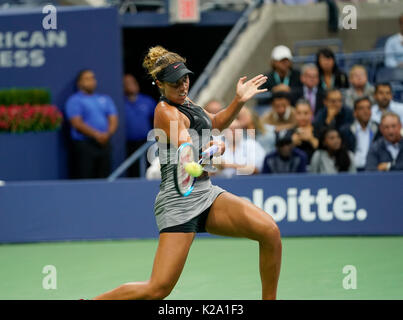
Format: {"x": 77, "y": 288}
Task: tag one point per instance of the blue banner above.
{"x": 36, "y": 51}
{"x": 302, "y": 205}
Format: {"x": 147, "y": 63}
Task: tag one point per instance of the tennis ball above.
{"x": 194, "y": 169}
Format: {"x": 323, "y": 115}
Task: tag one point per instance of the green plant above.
{"x": 31, "y": 96}
{"x": 23, "y": 110}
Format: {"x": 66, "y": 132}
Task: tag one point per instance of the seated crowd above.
{"x": 318, "y": 120}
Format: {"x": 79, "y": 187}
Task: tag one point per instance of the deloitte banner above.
{"x": 302, "y": 205}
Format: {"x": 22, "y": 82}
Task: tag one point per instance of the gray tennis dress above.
{"x": 170, "y": 207}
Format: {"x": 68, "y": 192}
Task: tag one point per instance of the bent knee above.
{"x": 270, "y": 233}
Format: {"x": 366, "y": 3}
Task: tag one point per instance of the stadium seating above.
{"x": 381, "y": 41}
{"x": 395, "y": 77}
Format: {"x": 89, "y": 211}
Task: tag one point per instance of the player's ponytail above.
{"x": 159, "y": 58}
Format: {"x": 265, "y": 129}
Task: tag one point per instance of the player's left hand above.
{"x": 220, "y": 144}
{"x": 247, "y": 90}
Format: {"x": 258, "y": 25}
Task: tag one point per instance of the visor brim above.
{"x": 175, "y": 76}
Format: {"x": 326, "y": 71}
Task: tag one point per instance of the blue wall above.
{"x": 31, "y": 56}
{"x": 30, "y": 156}
{"x": 302, "y": 205}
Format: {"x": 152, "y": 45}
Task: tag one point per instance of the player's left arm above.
{"x": 244, "y": 92}
{"x": 220, "y": 144}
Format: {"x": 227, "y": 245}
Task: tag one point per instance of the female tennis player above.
{"x": 208, "y": 207}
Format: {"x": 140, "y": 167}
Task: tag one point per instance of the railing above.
{"x": 138, "y": 155}
{"x": 320, "y": 43}
{"x": 133, "y": 6}
{"x": 223, "y": 49}
{"x": 372, "y": 60}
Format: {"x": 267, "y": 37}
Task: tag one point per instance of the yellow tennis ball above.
{"x": 194, "y": 169}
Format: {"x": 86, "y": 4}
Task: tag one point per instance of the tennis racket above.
{"x": 208, "y": 155}
{"x": 186, "y": 153}
{"x": 184, "y": 181}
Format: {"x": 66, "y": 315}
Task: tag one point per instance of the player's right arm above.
{"x": 173, "y": 123}
{"x": 175, "y": 126}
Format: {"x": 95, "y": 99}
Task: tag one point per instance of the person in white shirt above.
{"x": 383, "y": 97}
{"x": 253, "y": 125}
{"x": 243, "y": 155}
{"x": 394, "y": 48}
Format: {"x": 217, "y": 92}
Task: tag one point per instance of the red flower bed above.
{"x": 24, "y": 118}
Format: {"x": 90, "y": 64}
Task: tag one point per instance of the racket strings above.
{"x": 184, "y": 178}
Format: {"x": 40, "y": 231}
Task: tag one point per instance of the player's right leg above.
{"x": 170, "y": 258}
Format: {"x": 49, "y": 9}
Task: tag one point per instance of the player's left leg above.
{"x": 169, "y": 261}
{"x": 236, "y": 217}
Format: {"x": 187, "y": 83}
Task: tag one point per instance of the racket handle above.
{"x": 209, "y": 151}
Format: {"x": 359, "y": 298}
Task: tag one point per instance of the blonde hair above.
{"x": 357, "y": 67}
{"x": 159, "y": 58}
{"x": 256, "y": 120}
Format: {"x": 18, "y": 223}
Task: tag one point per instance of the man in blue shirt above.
{"x": 384, "y": 102}
{"x": 139, "y": 110}
{"x": 93, "y": 119}
{"x": 394, "y": 48}
{"x": 359, "y": 136}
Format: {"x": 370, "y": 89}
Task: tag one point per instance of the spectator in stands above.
{"x": 264, "y": 133}
{"x": 331, "y": 77}
{"x": 93, "y": 119}
{"x": 359, "y": 136}
{"x": 394, "y": 48}
{"x": 335, "y": 115}
{"x": 383, "y": 98}
{"x": 310, "y": 90}
{"x": 359, "y": 86}
{"x": 139, "y": 110}
{"x": 266, "y": 99}
{"x": 386, "y": 154}
{"x": 302, "y": 135}
{"x": 286, "y": 158}
{"x": 332, "y": 156}
{"x": 153, "y": 172}
{"x": 282, "y": 73}
{"x": 214, "y": 106}
{"x": 243, "y": 155}
{"x": 282, "y": 114}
